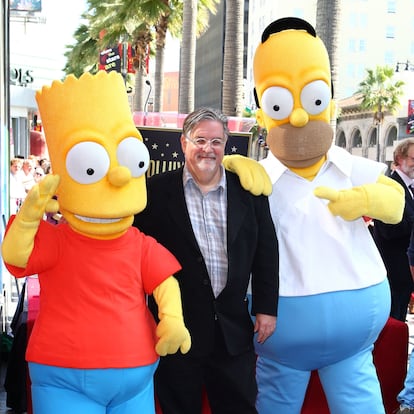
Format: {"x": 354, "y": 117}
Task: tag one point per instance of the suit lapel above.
{"x": 236, "y": 208}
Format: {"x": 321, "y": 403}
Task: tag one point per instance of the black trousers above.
{"x": 229, "y": 381}
{"x": 400, "y": 298}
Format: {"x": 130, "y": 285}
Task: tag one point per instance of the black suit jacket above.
{"x": 251, "y": 246}
{"x": 393, "y": 240}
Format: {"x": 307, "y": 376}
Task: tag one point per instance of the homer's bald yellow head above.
{"x": 293, "y": 92}
{"x": 96, "y": 150}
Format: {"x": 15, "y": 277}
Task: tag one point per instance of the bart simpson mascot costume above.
{"x": 94, "y": 346}
{"x": 334, "y": 294}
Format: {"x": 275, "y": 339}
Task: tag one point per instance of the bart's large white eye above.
{"x": 87, "y": 162}
{"x": 315, "y": 97}
{"x": 134, "y": 155}
{"x": 277, "y": 102}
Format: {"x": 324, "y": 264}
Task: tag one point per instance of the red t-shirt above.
{"x": 93, "y": 311}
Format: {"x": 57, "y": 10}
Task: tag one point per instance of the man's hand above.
{"x": 265, "y": 325}
{"x": 252, "y": 175}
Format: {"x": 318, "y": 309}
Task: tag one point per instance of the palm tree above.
{"x": 81, "y": 57}
{"x": 380, "y": 94}
{"x": 161, "y": 35}
{"x": 127, "y": 21}
{"x": 167, "y": 15}
{"x": 195, "y": 22}
{"x": 169, "y": 20}
{"x": 327, "y": 27}
{"x": 134, "y": 21}
{"x": 187, "y": 57}
{"x": 232, "y": 92}
{"x": 141, "y": 40}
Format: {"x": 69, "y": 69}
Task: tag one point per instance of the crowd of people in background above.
{"x": 24, "y": 174}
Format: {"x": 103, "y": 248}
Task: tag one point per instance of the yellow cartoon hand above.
{"x": 40, "y": 200}
{"x": 349, "y": 204}
{"x": 18, "y": 242}
{"x": 171, "y": 331}
{"x": 252, "y": 175}
{"x": 383, "y": 200}
{"x": 173, "y": 335}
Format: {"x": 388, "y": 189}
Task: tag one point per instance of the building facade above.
{"x": 360, "y": 134}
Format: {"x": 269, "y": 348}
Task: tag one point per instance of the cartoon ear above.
{"x": 256, "y": 98}
{"x": 259, "y": 118}
{"x": 334, "y": 109}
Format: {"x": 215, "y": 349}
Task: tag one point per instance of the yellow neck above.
{"x": 309, "y": 173}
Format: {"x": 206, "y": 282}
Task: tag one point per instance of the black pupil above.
{"x": 318, "y": 102}
{"x": 141, "y": 164}
{"x": 276, "y": 108}
{"x": 90, "y": 171}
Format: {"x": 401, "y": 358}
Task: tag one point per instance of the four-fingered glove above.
{"x": 171, "y": 331}
{"x": 19, "y": 240}
{"x": 383, "y": 200}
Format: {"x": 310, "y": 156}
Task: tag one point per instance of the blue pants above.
{"x": 92, "y": 391}
{"x": 406, "y": 396}
{"x": 333, "y": 333}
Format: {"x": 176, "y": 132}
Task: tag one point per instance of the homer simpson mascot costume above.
{"x": 334, "y": 294}
{"x": 94, "y": 346}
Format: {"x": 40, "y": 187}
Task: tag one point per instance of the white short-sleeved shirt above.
{"x": 320, "y": 252}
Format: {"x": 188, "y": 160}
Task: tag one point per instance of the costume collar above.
{"x": 337, "y": 156}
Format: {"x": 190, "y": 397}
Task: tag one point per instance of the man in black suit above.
{"x": 393, "y": 239}
{"x": 221, "y": 235}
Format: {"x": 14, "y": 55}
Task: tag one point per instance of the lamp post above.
{"x": 146, "y": 101}
{"x": 378, "y": 118}
{"x": 407, "y": 66}
{"x": 124, "y": 61}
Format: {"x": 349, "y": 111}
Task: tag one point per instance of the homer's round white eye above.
{"x": 277, "y": 102}
{"x": 87, "y": 162}
{"x": 133, "y": 154}
{"x": 315, "y": 97}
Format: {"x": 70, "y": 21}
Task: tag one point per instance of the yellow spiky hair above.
{"x": 92, "y": 102}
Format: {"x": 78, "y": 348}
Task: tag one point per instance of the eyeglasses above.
{"x": 200, "y": 142}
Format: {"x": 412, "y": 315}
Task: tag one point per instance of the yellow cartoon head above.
{"x": 293, "y": 92}
{"x": 96, "y": 150}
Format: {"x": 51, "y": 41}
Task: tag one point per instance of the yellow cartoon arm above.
{"x": 253, "y": 177}
{"x": 383, "y": 200}
{"x": 19, "y": 240}
{"x": 171, "y": 331}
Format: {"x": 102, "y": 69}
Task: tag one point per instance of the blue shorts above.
{"x": 92, "y": 391}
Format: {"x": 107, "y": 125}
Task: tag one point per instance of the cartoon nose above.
{"x": 119, "y": 176}
{"x": 299, "y": 118}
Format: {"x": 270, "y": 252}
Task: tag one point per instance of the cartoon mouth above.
{"x": 97, "y": 220}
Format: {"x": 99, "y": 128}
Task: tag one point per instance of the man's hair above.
{"x": 401, "y": 150}
{"x": 204, "y": 114}
{"x": 16, "y": 160}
